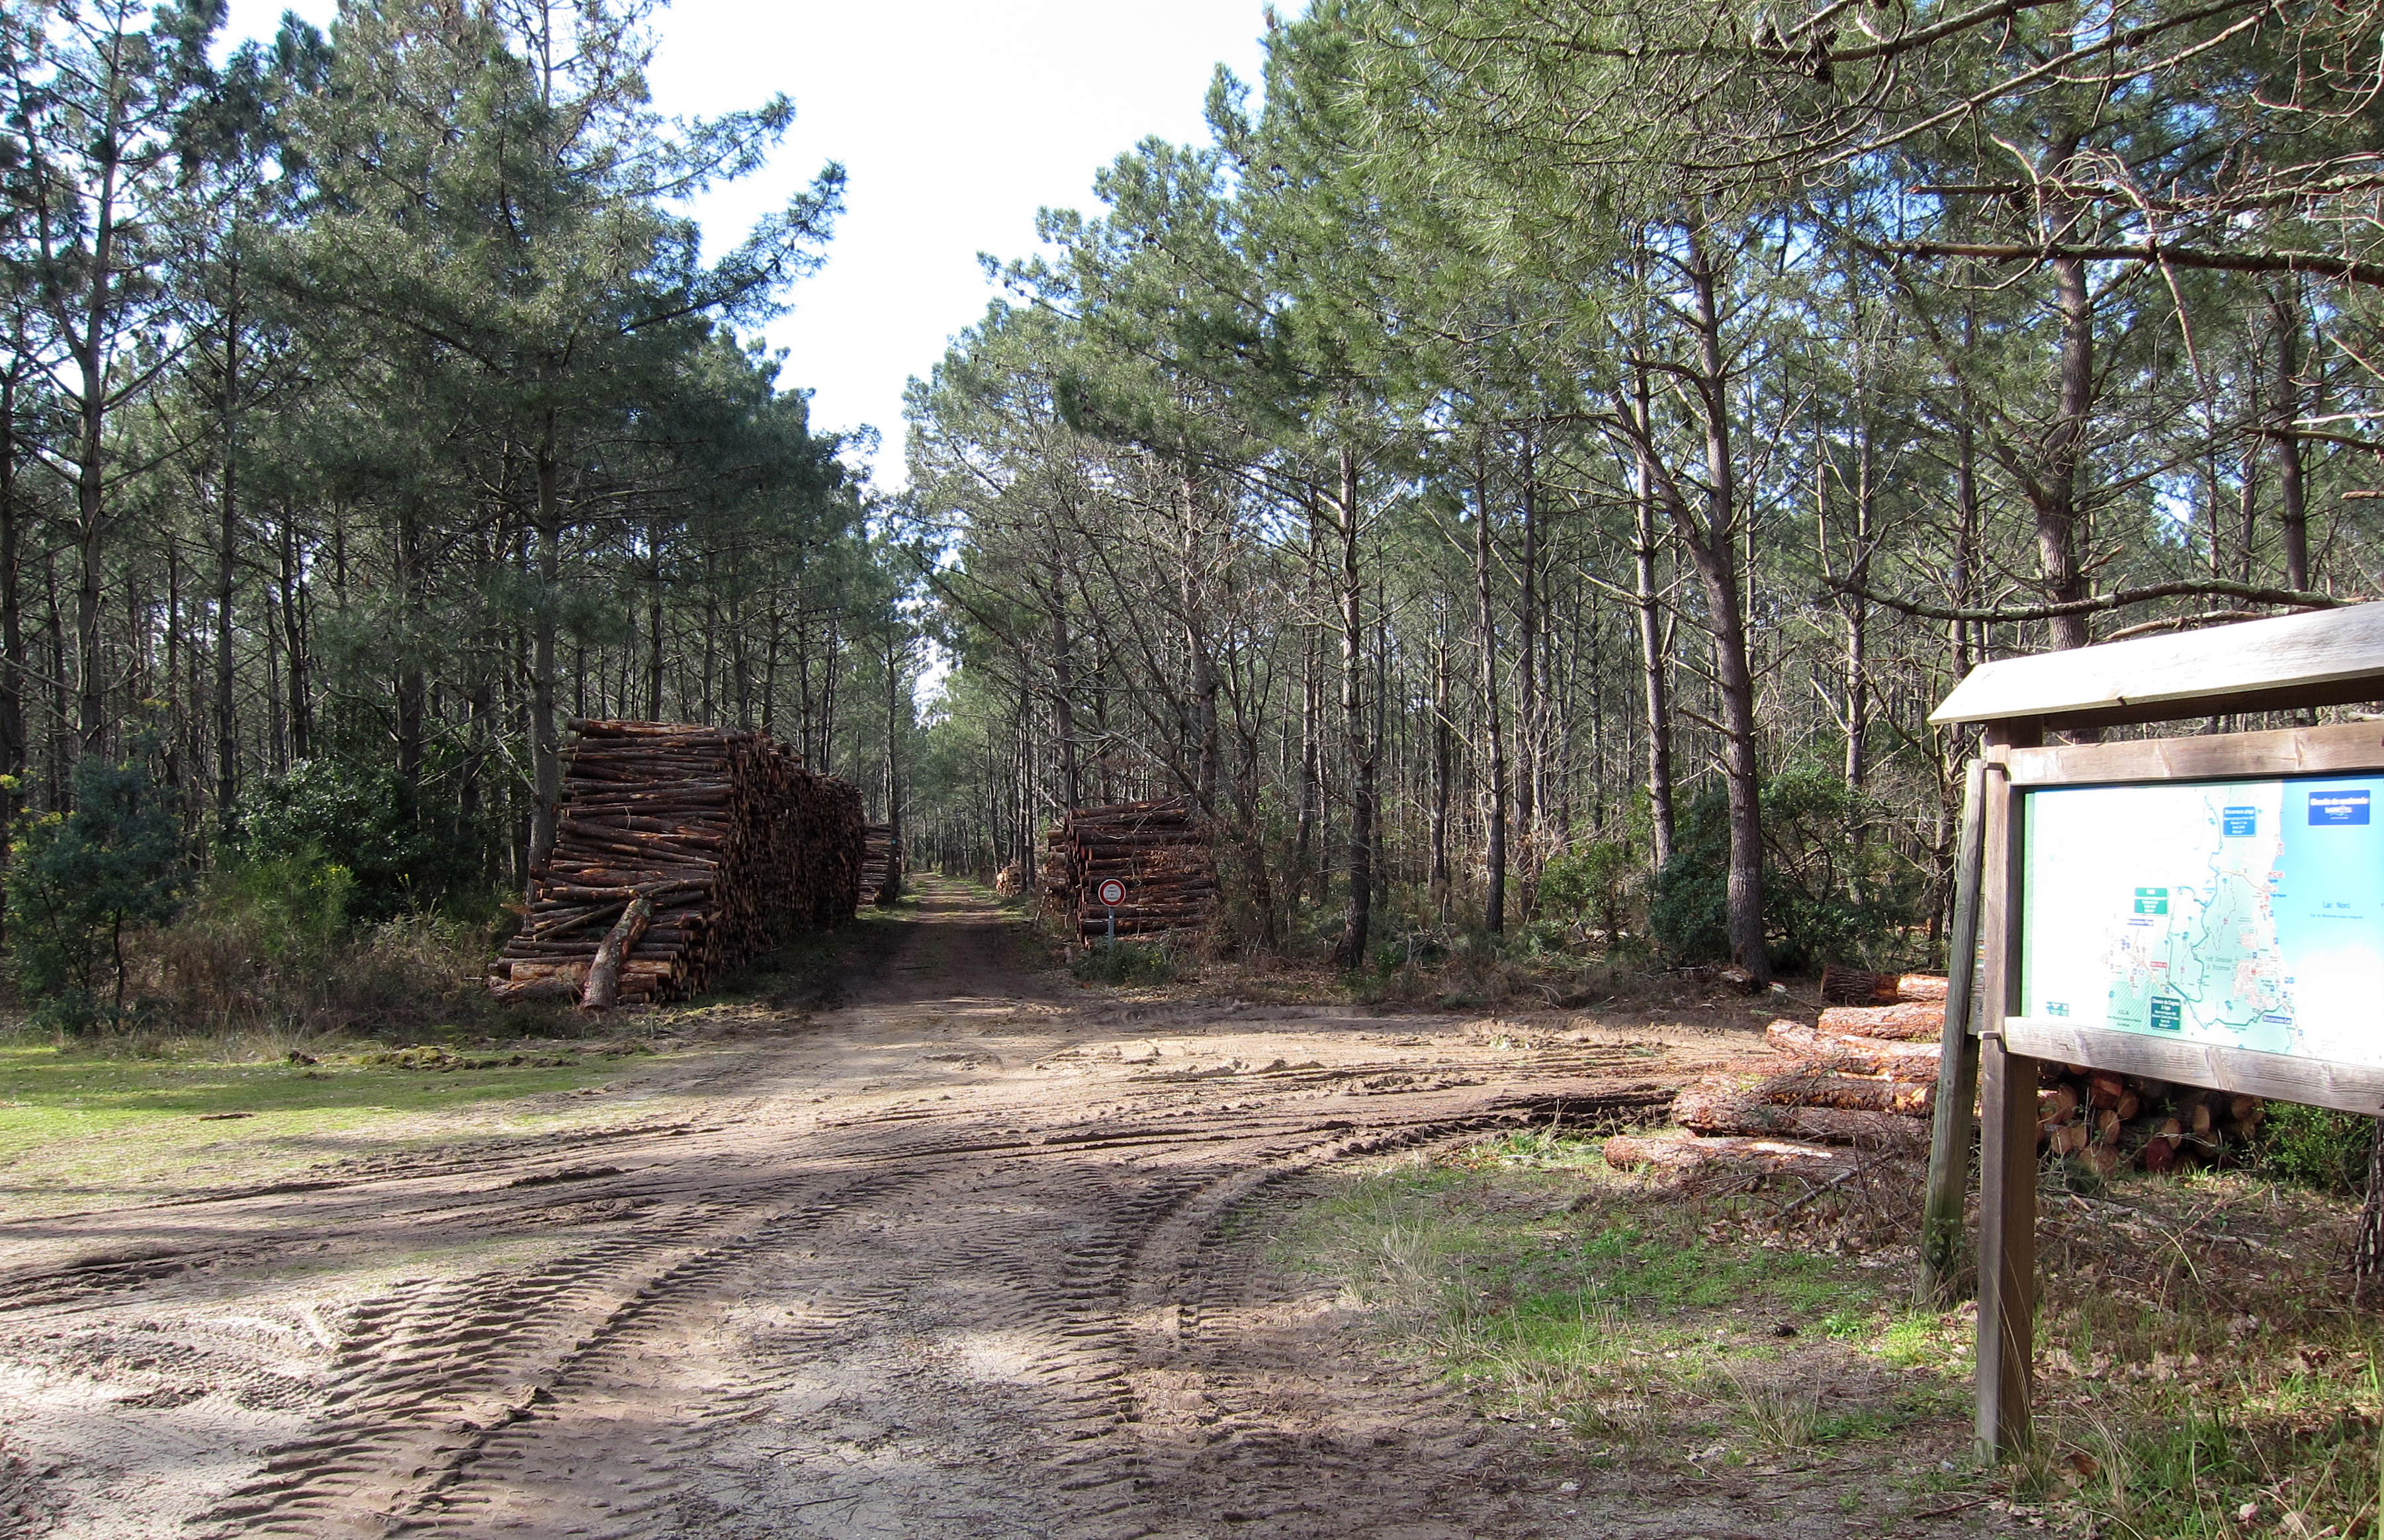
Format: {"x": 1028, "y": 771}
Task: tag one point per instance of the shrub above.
{"x": 1128, "y": 962}
{"x": 81, "y": 883}
{"x": 401, "y": 851}
{"x": 1832, "y": 886}
{"x": 1590, "y": 880}
{"x": 2316, "y": 1147}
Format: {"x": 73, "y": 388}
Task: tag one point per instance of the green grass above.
{"x": 1522, "y": 1268}
{"x": 80, "y": 1125}
{"x": 2200, "y": 1374}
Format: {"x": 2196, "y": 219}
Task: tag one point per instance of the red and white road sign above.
{"x": 1113, "y": 892}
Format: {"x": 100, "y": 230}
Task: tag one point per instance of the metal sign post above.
{"x": 1113, "y": 893}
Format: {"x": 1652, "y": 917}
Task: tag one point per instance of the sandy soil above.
{"x": 955, "y": 1256}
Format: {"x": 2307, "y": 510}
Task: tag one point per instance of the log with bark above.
{"x": 1739, "y": 1104}
{"x": 722, "y": 841}
{"x": 1670, "y": 1153}
{"x": 1911, "y": 1022}
{"x": 1858, "y": 987}
{"x": 1853, "y": 1055}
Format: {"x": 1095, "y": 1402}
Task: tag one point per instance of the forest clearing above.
{"x": 1610, "y": 773}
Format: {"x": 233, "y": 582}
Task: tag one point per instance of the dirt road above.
{"x": 956, "y": 1257}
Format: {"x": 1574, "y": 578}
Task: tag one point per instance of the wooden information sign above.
{"x": 2206, "y": 910}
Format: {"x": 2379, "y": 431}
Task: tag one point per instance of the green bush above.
{"x": 401, "y": 851}
{"x": 2315, "y": 1147}
{"x": 1833, "y": 887}
{"x": 1128, "y": 962}
{"x": 81, "y": 884}
{"x": 1591, "y": 879}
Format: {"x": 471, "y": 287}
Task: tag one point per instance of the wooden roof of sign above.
{"x": 2294, "y": 662}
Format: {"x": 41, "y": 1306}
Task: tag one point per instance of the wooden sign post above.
{"x": 2207, "y": 911}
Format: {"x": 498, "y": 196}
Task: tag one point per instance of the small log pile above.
{"x": 1865, "y": 1078}
{"x": 679, "y": 852}
{"x": 1160, "y": 849}
{"x": 2105, "y": 1123}
{"x": 881, "y": 865}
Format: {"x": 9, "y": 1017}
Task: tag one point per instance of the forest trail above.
{"x": 961, "y": 1252}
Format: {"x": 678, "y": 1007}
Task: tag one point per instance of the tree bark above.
{"x": 1360, "y": 749}
{"x": 2292, "y": 512}
{"x": 546, "y": 752}
{"x": 1494, "y": 811}
{"x": 2056, "y": 495}
{"x": 1714, "y": 551}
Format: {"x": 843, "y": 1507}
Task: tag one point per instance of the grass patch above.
{"x": 2201, "y": 1372}
{"x": 1537, "y": 1279}
{"x": 80, "y": 1124}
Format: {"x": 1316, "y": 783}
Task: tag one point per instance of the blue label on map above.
{"x": 2337, "y": 809}
{"x": 2240, "y": 823}
{"x": 2168, "y": 1015}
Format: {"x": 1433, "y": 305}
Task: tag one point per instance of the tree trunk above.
{"x": 2292, "y": 513}
{"x": 1356, "y": 931}
{"x": 1714, "y": 551}
{"x": 2056, "y": 497}
{"x": 1443, "y": 758}
{"x": 1656, "y": 689}
{"x": 1494, "y": 813}
{"x": 546, "y": 753}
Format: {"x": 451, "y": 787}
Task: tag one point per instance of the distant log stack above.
{"x": 1865, "y": 1077}
{"x": 1160, "y": 849}
{"x": 881, "y": 865}
{"x": 679, "y": 852}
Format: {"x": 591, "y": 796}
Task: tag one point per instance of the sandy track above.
{"x": 955, "y": 1257}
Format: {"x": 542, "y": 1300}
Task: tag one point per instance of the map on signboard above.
{"x": 2247, "y": 913}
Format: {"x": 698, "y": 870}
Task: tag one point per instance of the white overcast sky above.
{"x": 955, "y": 120}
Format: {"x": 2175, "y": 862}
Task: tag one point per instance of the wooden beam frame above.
{"x": 2007, "y": 1128}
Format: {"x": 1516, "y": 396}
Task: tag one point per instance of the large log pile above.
{"x": 679, "y": 852}
{"x": 1864, "y": 1077}
{"x": 1160, "y": 849}
{"x": 881, "y": 865}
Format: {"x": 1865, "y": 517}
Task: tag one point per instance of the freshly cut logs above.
{"x": 1734, "y": 1104}
{"x": 1854, "y": 1055}
{"x": 1686, "y": 1152}
{"x": 724, "y": 838}
{"x": 1850, "y": 1093}
{"x": 1858, "y": 987}
{"x": 1911, "y": 1022}
{"x": 1160, "y": 849}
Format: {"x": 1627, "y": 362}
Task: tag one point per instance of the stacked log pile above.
{"x": 881, "y": 865}
{"x": 1865, "y": 1078}
{"x": 2107, "y": 1123}
{"x": 1160, "y": 849}
{"x": 679, "y": 852}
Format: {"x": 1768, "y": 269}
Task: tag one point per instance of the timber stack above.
{"x": 680, "y": 852}
{"x": 1160, "y": 849}
{"x": 1865, "y": 1078}
{"x": 881, "y": 865}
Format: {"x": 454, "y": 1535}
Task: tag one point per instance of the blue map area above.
{"x": 2249, "y": 913}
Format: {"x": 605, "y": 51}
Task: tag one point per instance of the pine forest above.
{"x": 1525, "y": 479}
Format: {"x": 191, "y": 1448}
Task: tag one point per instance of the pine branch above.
{"x": 2121, "y": 599}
